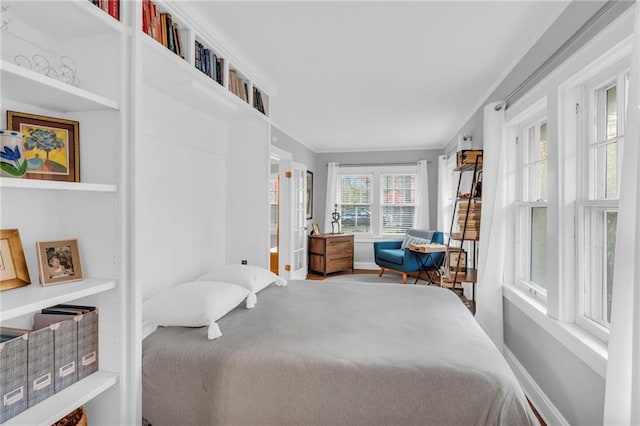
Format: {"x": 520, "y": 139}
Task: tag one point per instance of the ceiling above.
{"x": 370, "y": 76}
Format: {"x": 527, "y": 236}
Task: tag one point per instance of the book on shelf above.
{"x": 112, "y": 7}
{"x": 257, "y": 100}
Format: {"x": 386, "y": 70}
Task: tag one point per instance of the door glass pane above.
{"x": 539, "y": 246}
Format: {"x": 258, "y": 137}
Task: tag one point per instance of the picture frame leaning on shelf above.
{"x": 13, "y": 265}
{"x": 51, "y": 146}
{"x": 59, "y": 262}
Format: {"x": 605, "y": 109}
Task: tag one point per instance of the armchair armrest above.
{"x": 380, "y": 245}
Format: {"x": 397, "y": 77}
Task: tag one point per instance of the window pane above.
{"x": 600, "y": 245}
{"x": 612, "y": 113}
{"x": 397, "y": 219}
{"x": 612, "y": 171}
{"x": 355, "y": 218}
{"x": 543, "y": 141}
{"x": 355, "y": 189}
{"x": 398, "y": 202}
{"x": 539, "y": 246}
{"x": 612, "y": 223}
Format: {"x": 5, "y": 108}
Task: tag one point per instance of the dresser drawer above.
{"x": 339, "y": 245}
{"x": 335, "y": 265}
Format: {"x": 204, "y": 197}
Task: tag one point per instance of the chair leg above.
{"x": 404, "y": 278}
{"x": 381, "y": 271}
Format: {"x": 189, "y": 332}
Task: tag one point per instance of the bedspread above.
{"x": 331, "y": 353}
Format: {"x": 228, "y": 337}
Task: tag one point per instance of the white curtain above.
{"x": 622, "y": 395}
{"x": 422, "y": 197}
{"x": 492, "y": 230}
{"x": 332, "y": 194}
{"x": 444, "y": 194}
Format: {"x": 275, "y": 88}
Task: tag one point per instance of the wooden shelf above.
{"x": 468, "y": 168}
{"x": 33, "y": 297}
{"x": 459, "y": 237}
{"x": 22, "y": 183}
{"x": 34, "y": 88}
{"x": 62, "y": 403}
{"x": 470, "y": 276}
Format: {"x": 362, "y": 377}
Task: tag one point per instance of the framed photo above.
{"x": 309, "y": 195}
{"x": 13, "y": 266}
{"x": 315, "y": 229}
{"x": 59, "y": 262}
{"x": 51, "y": 146}
{"x": 452, "y": 258}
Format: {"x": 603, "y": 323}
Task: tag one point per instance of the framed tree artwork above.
{"x": 51, "y": 146}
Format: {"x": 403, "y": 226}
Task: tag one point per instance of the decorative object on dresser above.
{"x": 51, "y": 146}
{"x": 59, "y": 262}
{"x": 13, "y": 266}
{"x": 335, "y": 223}
{"x": 315, "y": 229}
{"x": 13, "y": 163}
{"x": 330, "y": 253}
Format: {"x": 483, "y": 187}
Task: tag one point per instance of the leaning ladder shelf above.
{"x": 466, "y": 209}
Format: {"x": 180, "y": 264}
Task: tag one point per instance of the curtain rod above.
{"x": 380, "y": 164}
{"x": 594, "y": 18}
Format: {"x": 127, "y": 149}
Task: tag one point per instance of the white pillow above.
{"x": 251, "y": 277}
{"x": 194, "y": 304}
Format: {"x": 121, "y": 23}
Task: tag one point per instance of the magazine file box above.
{"x": 65, "y": 348}
{"x": 87, "y": 323}
{"x": 13, "y": 376}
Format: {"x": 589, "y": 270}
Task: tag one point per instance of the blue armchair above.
{"x": 394, "y": 256}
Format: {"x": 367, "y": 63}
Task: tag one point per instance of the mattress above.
{"x": 334, "y": 353}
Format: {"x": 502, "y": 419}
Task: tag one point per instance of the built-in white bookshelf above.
{"x": 192, "y": 36}
{"x": 93, "y": 210}
{"x": 124, "y": 78}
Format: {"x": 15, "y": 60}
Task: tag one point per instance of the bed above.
{"x": 333, "y": 353}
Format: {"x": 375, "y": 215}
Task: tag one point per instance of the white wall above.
{"x": 247, "y": 201}
{"x": 180, "y": 190}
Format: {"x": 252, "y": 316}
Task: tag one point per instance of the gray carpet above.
{"x": 386, "y": 278}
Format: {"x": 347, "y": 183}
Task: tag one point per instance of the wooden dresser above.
{"x": 330, "y": 253}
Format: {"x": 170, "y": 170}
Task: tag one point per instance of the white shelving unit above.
{"x": 94, "y": 210}
{"x": 166, "y": 69}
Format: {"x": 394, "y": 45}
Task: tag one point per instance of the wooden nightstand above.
{"x": 330, "y": 253}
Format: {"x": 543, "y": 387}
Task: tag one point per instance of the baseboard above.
{"x": 366, "y": 265}
{"x": 549, "y": 413}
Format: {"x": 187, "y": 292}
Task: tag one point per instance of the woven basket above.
{"x": 75, "y": 418}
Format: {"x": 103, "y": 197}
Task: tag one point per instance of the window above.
{"x": 355, "y": 195}
{"x": 398, "y": 202}
{"x": 380, "y": 201}
{"x": 602, "y": 125}
{"x": 531, "y": 206}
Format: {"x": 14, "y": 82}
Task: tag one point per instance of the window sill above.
{"x": 583, "y": 345}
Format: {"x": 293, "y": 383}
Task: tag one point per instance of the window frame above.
{"x": 592, "y": 201}
{"x": 377, "y": 196}
{"x": 523, "y": 207}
